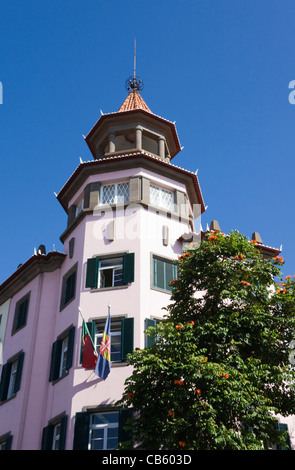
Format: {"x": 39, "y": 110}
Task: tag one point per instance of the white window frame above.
{"x": 63, "y": 356}
{"x": 116, "y": 195}
{"x": 12, "y": 379}
{"x": 79, "y": 207}
{"x": 115, "y": 269}
{"x": 104, "y": 427}
{"x": 161, "y": 191}
{"x": 56, "y": 436}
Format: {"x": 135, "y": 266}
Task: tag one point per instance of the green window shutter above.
{"x": 20, "y": 362}
{"x": 6, "y": 369}
{"x": 8, "y": 442}
{"x": 63, "y": 432}
{"x": 92, "y": 272}
{"x": 148, "y": 340}
{"x": 124, "y": 415}
{"x": 127, "y": 337}
{"x": 70, "y": 347}
{"x": 128, "y": 268}
{"x": 47, "y": 437}
{"x": 55, "y": 360}
{"x": 70, "y": 287}
{"x": 81, "y": 431}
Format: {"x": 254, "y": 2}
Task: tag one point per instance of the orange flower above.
{"x": 237, "y": 257}
{"x": 288, "y": 277}
{"x": 182, "y": 444}
{"x": 226, "y": 376}
{"x": 130, "y": 395}
{"x": 198, "y": 391}
{"x": 178, "y": 382}
{"x": 279, "y": 258}
{"x": 212, "y": 237}
{"x": 178, "y": 327}
{"x": 171, "y": 413}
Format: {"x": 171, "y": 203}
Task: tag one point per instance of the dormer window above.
{"x": 161, "y": 197}
{"x": 115, "y": 193}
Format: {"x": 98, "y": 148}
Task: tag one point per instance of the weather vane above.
{"x": 134, "y": 83}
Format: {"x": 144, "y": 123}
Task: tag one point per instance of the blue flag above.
{"x": 103, "y": 364}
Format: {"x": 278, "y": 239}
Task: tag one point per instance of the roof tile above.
{"x": 134, "y": 101}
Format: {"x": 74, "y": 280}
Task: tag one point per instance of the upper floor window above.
{"x": 110, "y": 272}
{"x": 62, "y": 354}
{"x": 122, "y": 336}
{"x": 79, "y": 207}
{"x": 115, "y": 193}
{"x": 20, "y": 314}
{"x": 68, "y": 287}
{"x": 11, "y": 377}
{"x": 164, "y": 271}
{"x": 161, "y": 197}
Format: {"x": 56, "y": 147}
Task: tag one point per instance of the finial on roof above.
{"x": 134, "y": 83}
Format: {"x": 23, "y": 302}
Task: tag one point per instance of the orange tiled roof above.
{"x": 134, "y": 101}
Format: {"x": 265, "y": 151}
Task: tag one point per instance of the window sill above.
{"x": 8, "y": 399}
{"x": 102, "y": 289}
{"x": 163, "y": 291}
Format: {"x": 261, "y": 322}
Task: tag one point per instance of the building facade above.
{"x": 130, "y": 212}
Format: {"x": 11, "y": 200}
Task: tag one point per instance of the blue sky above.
{"x": 219, "y": 68}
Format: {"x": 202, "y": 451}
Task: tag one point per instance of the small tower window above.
{"x": 116, "y": 193}
{"x": 161, "y": 197}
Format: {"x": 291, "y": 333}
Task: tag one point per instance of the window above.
{"x": 20, "y": 314}
{"x": 11, "y": 377}
{"x": 116, "y": 193}
{"x": 110, "y": 272}
{"x": 101, "y": 430}
{"x": 54, "y": 435}
{"x": 62, "y": 355}
{"x": 79, "y": 207}
{"x": 149, "y": 341}
{"x": 122, "y": 332}
{"x": 161, "y": 197}
{"x": 68, "y": 287}
{"x": 164, "y": 271}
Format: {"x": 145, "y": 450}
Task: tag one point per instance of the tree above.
{"x": 220, "y": 368}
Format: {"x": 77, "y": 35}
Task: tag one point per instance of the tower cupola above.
{"x": 133, "y": 129}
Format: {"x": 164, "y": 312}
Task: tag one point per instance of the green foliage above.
{"x": 220, "y": 368}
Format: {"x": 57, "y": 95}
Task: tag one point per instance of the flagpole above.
{"x": 86, "y": 327}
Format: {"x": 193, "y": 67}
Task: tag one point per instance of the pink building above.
{"x": 129, "y": 213}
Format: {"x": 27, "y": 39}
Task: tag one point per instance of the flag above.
{"x": 89, "y": 357}
{"x": 103, "y": 364}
